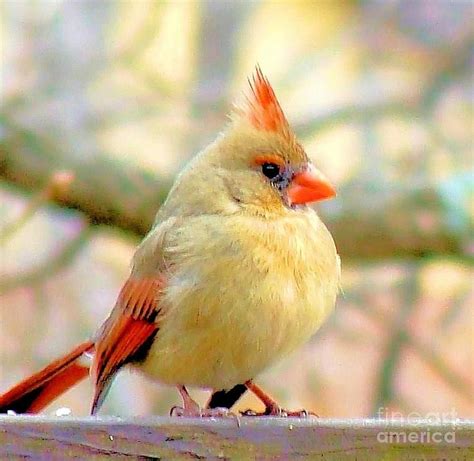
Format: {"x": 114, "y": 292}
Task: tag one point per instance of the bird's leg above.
{"x": 271, "y": 406}
{"x": 191, "y": 409}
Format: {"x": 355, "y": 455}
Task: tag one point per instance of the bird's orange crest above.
{"x": 263, "y": 109}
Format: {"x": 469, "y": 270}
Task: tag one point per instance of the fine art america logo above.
{"x": 414, "y": 427}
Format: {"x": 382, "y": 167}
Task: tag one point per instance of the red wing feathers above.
{"x": 127, "y": 331}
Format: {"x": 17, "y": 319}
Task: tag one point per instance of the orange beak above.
{"x": 309, "y": 186}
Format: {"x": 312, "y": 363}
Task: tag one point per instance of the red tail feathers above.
{"x": 36, "y": 392}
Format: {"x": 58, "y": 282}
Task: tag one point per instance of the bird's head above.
{"x": 256, "y": 164}
{"x": 260, "y": 159}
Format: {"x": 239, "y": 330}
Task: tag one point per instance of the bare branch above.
{"x": 369, "y": 223}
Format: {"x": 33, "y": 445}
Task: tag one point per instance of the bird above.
{"x": 237, "y": 272}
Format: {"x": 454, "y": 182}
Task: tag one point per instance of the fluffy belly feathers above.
{"x": 233, "y": 324}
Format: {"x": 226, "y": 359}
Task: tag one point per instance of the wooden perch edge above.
{"x": 366, "y": 223}
{"x": 264, "y": 438}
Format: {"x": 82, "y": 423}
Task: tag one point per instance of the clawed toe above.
{"x": 279, "y": 412}
{"x": 250, "y": 412}
{"x": 197, "y": 412}
{"x": 217, "y": 413}
{"x": 300, "y": 414}
{"x": 178, "y": 411}
{"x": 191, "y": 409}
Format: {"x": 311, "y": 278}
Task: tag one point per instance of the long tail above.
{"x": 36, "y": 392}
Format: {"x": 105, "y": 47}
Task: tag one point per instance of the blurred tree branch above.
{"x": 55, "y": 187}
{"x": 106, "y": 190}
{"x": 48, "y": 268}
{"x": 405, "y": 222}
{"x": 371, "y": 220}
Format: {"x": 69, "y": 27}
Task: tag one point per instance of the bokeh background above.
{"x": 103, "y": 102}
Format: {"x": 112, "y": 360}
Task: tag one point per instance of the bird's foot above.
{"x": 185, "y": 411}
{"x": 271, "y": 407}
{"x": 191, "y": 409}
{"x": 218, "y": 412}
{"x": 277, "y": 411}
{"x": 197, "y": 412}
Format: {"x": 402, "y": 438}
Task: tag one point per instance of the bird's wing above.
{"x": 128, "y": 332}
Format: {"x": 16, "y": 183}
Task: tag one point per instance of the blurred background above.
{"x": 103, "y": 102}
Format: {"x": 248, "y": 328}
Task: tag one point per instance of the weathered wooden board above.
{"x": 46, "y": 438}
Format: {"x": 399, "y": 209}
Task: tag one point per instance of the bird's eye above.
{"x": 270, "y": 170}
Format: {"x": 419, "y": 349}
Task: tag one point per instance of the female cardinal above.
{"x": 236, "y": 273}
